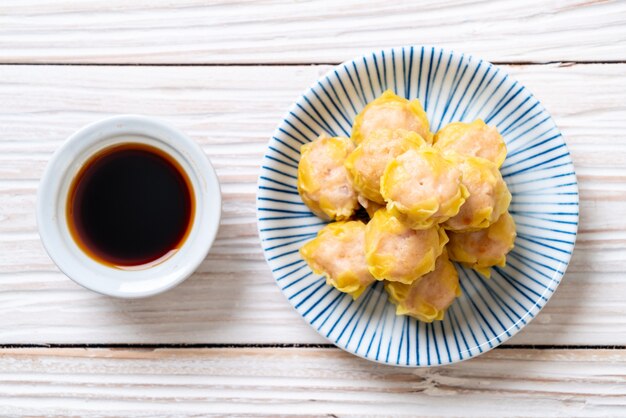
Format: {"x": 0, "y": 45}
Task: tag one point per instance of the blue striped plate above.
{"x": 538, "y": 170}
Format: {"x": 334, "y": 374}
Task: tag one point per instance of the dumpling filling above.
{"x": 423, "y": 186}
{"x": 397, "y": 253}
{"x": 486, "y": 248}
{"x": 338, "y": 252}
{"x": 428, "y": 298}
{"x": 474, "y": 139}
{"x": 367, "y": 162}
{"x": 390, "y": 111}
{"x": 323, "y": 181}
{"x": 488, "y": 197}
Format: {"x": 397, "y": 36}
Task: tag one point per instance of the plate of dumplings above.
{"x": 417, "y": 206}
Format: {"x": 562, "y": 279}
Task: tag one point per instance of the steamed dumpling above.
{"x": 474, "y": 139}
{"x": 488, "y": 196}
{"x": 486, "y": 248}
{"x": 338, "y": 252}
{"x": 367, "y": 162}
{"x": 323, "y": 181}
{"x": 423, "y": 187}
{"x": 397, "y": 253}
{"x": 428, "y": 298}
{"x": 390, "y": 111}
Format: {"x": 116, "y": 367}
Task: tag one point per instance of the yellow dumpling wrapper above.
{"x": 427, "y": 299}
{"x": 338, "y": 252}
{"x": 367, "y": 162}
{"x": 323, "y": 181}
{"x": 390, "y": 111}
{"x": 474, "y": 139}
{"x": 486, "y": 248}
{"x": 423, "y": 187}
{"x": 488, "y": 196}
{"x": 398, "y": 253}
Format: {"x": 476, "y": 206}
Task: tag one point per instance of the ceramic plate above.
{"x": 538, "y": 170}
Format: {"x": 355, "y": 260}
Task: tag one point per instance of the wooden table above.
{"x": 227, "y": 341}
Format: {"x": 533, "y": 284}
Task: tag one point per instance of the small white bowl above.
{"x": 52, "y": 200}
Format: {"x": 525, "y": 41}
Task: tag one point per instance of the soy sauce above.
{"x": 130, "y": 205}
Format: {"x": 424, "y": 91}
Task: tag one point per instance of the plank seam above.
{"x": 279, "y": 64}
{"x": 245, "y": 346}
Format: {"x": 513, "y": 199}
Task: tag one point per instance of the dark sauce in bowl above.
{"x": 130, "y": 205}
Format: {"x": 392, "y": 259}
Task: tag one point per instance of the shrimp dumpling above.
{"x": 367, "y": 162}
{"x": 323, "y": 181}
{"x": 397, "y": 253}
{"x": 423, "y": 187}
{"x": 488, "y": 197}
{"x": 474, "y": 139}
{"x": 390, "y": 111}
{"x": 486, "y": 248}
{"x": 428, "y": 298}
{"x": 338, "y": 252}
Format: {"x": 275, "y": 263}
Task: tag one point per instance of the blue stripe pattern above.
{"x": 538, "y": 170}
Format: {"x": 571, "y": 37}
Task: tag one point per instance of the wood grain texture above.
{"x": 201, "y": 31}
{"x": 231, "y": 112}
{"x": 315, "y": 382}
